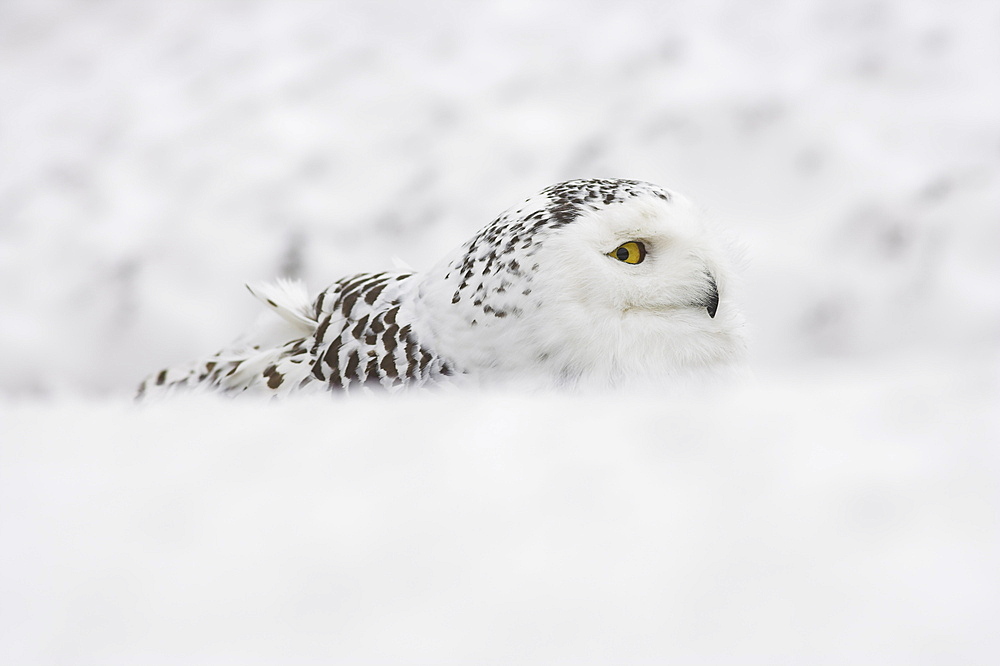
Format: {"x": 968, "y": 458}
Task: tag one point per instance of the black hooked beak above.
{"x": 712, "y": 299}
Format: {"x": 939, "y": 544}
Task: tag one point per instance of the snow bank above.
{"x": 835, "y": 522}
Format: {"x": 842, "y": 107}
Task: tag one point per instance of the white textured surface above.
{"x": 778, "y": 525}
{"x": 156, "y": 156}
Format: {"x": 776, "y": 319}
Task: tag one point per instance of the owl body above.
{"x": 589, "y": 282}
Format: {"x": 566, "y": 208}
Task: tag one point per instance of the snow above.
{"x": 468, "y": 529}
{"x": 843, "y": 508}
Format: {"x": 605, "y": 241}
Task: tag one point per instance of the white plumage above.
{"x": 589, "y": 282}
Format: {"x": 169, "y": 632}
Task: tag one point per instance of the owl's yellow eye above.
{"x": 632, "y": 252}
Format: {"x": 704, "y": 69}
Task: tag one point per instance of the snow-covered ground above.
{"x": 844, "y": 508}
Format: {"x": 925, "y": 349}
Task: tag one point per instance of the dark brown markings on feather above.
{"x": 371, "y": 370}
{"x": 562, "y": 214}
{"x": 317, "y": 371}
{"x": 425, "y": 360}
{"x": 411, "y": 358}
{"x": 162, "y": 377}
{"x": 446, "y": 370}
{"x": 359, "y": 329}
{"x": 336, "y": 382}
{"x": 388, "y": 365}
{"x": 352, "y": 365}
{"x": 272, "y": 303}
{"x": 377, "y": 280}
{"x": 348, "y": 303}
{"x": 321, "y": 331}
{"x": 455, "y": 298}
{"x": 390, "y": 316}
{"x": 319, "y": 303}
{"x": 331, "y": 357}
{"x": 376, "y": 325}
{"x": 371, "y": 338}
{"x": 499, "y": 314}
{"x": 373, "y": 293}
{"x": 352, "y": 283}
{"x": 356, "y": 283}
{"x": 274, "y": 378}
{"x": 389, "y": 338}
{"x": 403, "y": 277}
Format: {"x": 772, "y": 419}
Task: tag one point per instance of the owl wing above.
{"x": 350, "y": 337}
{"x": 363, "y": 338}
{"x": 253, "y": 360}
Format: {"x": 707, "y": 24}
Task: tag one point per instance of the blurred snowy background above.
{"x": 154, "y": 156}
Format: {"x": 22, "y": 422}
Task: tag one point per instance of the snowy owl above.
{"x": 588, "y": 282}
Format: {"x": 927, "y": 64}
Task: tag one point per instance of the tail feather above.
{"x": 272, "y": 349}
{"x": 289, "y": 300}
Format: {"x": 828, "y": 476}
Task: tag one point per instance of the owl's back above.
{"x": 351, "y": 335}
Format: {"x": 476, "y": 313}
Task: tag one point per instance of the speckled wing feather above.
{"x": 355, "y": 336}
{"x": 364, "y": 335}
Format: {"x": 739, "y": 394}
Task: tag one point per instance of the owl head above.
{"x": 590, "y": 281}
